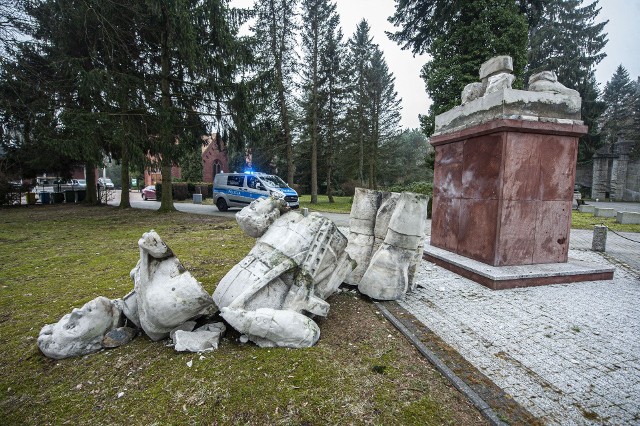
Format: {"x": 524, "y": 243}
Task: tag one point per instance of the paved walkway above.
{"x": 570, "y": 354}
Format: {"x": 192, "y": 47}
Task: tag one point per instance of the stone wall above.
{"x": 584, "y": 173}
{"x": 616, "y": 175}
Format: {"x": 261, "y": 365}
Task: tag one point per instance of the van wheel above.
{"x": 222, "y": 205}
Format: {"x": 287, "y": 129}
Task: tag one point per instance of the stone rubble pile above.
{"x": 271, "y": 296}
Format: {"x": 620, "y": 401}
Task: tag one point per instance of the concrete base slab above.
{"x": 505, "y": 277}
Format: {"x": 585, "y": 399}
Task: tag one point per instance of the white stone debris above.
{"x": 547, "y": 81}
{"x": 499, "y": 82}
{"x": 362, "y": 224}
{"x": 165, "y": 294}
{"x": 389, "y": 274}
{"x": 255, "y": 219}
{"x": 294, "y": 266}
{"x": 202, "y": 339}
{"x": 471, "y": 92}
{"x": 80, "y": 332}
{"x": 271, "y": 327}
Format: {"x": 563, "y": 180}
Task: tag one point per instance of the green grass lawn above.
{"x": 55, "y": 258}
{"x": 588, "y": 221}
{"x": 341, "y": 204}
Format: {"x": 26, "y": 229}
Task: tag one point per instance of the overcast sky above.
{"x": 623, "y": 34}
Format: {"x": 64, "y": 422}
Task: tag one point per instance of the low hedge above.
{"x": 185, "y": 190}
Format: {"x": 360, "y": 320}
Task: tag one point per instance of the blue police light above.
{"x": 248, "y": 171}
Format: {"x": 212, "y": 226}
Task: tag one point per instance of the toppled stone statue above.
{"x": 386, "y": 238}
{"x": 294, "y": 266}
{"x": 81, "y": 332}
{"x": 165, "y": 295}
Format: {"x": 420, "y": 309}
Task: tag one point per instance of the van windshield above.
{"x": 273, "y": 181}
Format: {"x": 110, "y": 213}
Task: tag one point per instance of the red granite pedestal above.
{"x": 503, "y": 192}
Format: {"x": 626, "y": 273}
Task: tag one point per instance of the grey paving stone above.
{"x": 568, "y": 353}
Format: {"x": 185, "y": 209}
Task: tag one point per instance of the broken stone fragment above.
{"x": 471, "y": 92}
{"x": 166, "y": 294}
{"x": 270, "y": 327}
{"x": 547, "y": 81}
{"x": 186, "y": 326}
{"x": 496, "y": 65}
{"x": 362, "y": 221}
{"x": 205, "y": 338}
{"x": 499, "y": 82}
{"x": 388, "y": 275}
{"x": 296, "y": 264}
{"x": 255, "y": 219}
{"x": 118, "y": 337}
{"x": 80, "y": 332}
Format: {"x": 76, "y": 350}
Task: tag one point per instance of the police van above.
{"x": 240, "y": 189}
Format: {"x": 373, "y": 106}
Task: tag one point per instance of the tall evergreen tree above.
{"x": 569, "y": 41}
{"x": 373, "y": 108}
{"x": 618, "y": 118}
{"x": 190, "y": 78}
{"x": 332, "y": 95}
{"x": 317, "y": 37}
{"x": 360, "y": 52}
{"x": 483, "y": 29}
{"x": 275, "y": 30}
{"x": 384, "y": 111}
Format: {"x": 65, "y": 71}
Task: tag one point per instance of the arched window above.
{"x": 217, "y": 167}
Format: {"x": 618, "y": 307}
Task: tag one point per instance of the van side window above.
{"x": 235, "y": 180}
{"x": 251, "y": 182}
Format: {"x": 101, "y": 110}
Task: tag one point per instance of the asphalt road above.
{"x": 340, "y": 219}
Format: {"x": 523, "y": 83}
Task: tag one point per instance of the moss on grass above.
{"x": 55, "y": 258}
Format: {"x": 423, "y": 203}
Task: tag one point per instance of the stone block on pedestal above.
{"x": 505, "y": 169}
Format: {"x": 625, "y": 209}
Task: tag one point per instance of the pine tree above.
{"x": 618, "y": 117}
{"x": 319, "y": 43}
{"x": 360, "y": 52}
{"x": 373, "y": 107}
{"x": 275, "y": 29}
{"x": 568, "y": 40}
{"x": 384, "y": 111}
{"x": 332, "y": 93}
{"x": 480, "y": 30}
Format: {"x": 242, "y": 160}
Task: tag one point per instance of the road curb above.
{"x": 484, "y": 408}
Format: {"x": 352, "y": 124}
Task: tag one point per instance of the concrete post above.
{"x": 599, "y": 238}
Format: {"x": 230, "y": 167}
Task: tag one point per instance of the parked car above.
{"x": 105, "y": 183}
{"x": 70, "y": 184}
{"x": 149, "y": 193}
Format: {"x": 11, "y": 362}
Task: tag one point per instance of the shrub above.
{"x": 185, "y": 190}
{"x": 421, "y": 187}
{"x": 180, "y": 191}
{"x": 349, "y": 188}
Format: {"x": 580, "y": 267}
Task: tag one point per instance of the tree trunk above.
{"x": 166, "y": 204}
{"x": 90, "y": 175}
{"x": 314, "y": 118}
{"x": 124, "y": 196}
{"x": 278, "y": 46}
